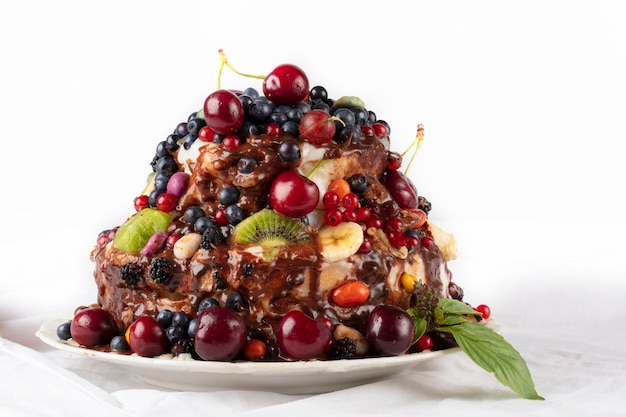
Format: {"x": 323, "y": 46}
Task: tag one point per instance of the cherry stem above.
{"x": 417, "y": 143}
{"x": 315, "y": 168}
{"x": 224, "y": 61}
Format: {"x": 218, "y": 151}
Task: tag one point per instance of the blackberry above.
{"x": 423, "y": 204}
{"x": 160, "y": 270}
{"x": 131, "y": 273}
{"x": 247, "y": 270}
{"x": 183, "y": 346}
{"x": 211, "y": 236}
{"x": 344, "y": 348}
{"x": 218, "y": 281}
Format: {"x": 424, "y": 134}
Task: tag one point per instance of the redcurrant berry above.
{"x": 484, "y": 310}
{"x": 333, "y": 216}
{"x": 330, "y": 200}
{"x": 141, "y": 202}
{"x": 166, "y": 202}
{"x": 350, "y": 201}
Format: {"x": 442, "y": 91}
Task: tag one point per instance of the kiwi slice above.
{"x": 133, "y": 235}
{"x": 270, "y": 230}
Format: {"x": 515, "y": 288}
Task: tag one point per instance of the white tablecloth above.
{"x": 523, "y": 105}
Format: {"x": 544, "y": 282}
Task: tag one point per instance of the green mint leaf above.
{"x": 419, "y": 323}
{"x": 452, "y": 320}
{"x": 451, "y": 306}
{"x": 491, "y": 352}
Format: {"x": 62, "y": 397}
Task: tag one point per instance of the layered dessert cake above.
{"x": 277, "y": 226}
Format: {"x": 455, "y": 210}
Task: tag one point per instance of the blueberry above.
{"x": 63, "y": 331}
{"x": 189, "y": 140}
{"x": 358, "y": 183}
{"x": 247, "y": 164}
{"x": 180, "y": 319}
{"x": 347, "y": 134}
{"x": 172, "y": 142}
{"x": 119, "y": 344}
{"x": 235, "y": 302}
{"x": 206, "y": 303}
{"x": 161, "y": 149}
{"x": 360, "y": 115}
{"x": 290, "y": 128}
{"x": 279, "y": 117}
{"x": 346, "y": 116}
{"x": 203, "y": 223}
{"x": 194, "y": 126}
{"x": 289, "y": 151}
{"x": 218, "y": 138}
{"x": 247, "y": 129}
{"x": 371, "y": 117}
{"x": 152, "y": 198}
{"x": 234, "y": 214}
{"x": 192, "y": 214}
{"x": 160, "y": 181}
{"x": 295, "y": 114}
{"x": 229, "y": 195}
{"x": 165, "y": 318}
{"x": 166, "y": 164}
{"x": 192, "y": 328}
{"x": 246, "y": 101}
{"x": 251, "y": 92}
{"x": 260, "y": 110}
{"x": 175, "y": 334}
{"x": 181, "y": 129}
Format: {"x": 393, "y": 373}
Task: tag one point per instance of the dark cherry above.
{"x": 390, "y": 330}
{"x": 93, "y": 327}
{"x": 302, "y": 337}
{"x": 401, "y": 188}
{"x": 220, "y": 335}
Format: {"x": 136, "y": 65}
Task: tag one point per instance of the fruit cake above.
{"x": 281, "y": 227}
{"x": 273, "y": 226}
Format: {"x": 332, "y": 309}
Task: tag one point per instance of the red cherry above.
{"x": 93, "y": 327}
{"x": 286, "y": 84}
{"x": 302, "y": 337}
{"x": 146, "y": 337}
{"x": 223, "y": 112}
{"x": 317, "y": 126}
{"x": 293, "y": 195}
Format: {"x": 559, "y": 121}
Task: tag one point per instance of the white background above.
{"x": 523, "y": 103}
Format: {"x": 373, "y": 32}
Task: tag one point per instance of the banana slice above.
{"x": 444, "y": 240}
{"x": 339, "y": 242}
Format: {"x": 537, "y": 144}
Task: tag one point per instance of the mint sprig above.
{"x": 481, "y": 344}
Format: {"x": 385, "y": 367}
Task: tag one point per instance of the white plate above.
{"x": 301, "y": 377}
